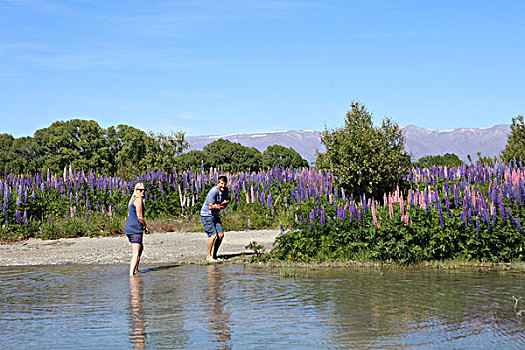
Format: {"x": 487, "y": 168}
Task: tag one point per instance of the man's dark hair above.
{"x": 223, "y": 178}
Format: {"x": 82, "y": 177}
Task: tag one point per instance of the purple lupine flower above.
{"x": 440, "y": 211}
{"x": 311, "y": 227}
{"x": 463, "y": 217}
{"x": 477, "y": 226}
{"x": 25, "y": 218}
{"x": 518, "y": 225}
{"x": 17, "y": 217}
{"x": 426, "y": 195}
{"x": 87, "y": 217}
{"x": 262, "y": 198}
{"x": 447, "y": 204}
{"x": 487, "y": 221}
{"x": 281, "y": 228}
{"x": 503, "y": 213}
{"x": 509, "y": 215}
{"x": 19, "y": 197}
{"x": 41, "y": 232}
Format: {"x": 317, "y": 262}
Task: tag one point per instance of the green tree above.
{"x": 366, "y": 159}
{"x": 448, "y": 159}
{"x": 280, "y": 155}
{"x": 127, "y": 146}
{"x": 22, "y": 156}
{"x": 193, "y": 159}
{"x": 232, "y": 157}
{"x": 122, "y": 150}
{"x": 6, "y": 143}
{"x": 161, "y": 150}
{"x": 76, "y": 142}
{"x": 515, "y": 148}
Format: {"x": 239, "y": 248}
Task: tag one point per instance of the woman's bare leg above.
{"x": 136, "y": 252}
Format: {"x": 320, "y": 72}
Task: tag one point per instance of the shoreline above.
{"x": 159, "y": 248}
{"x": 190, "y": 248}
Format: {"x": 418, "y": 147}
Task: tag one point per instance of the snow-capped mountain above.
{"x": 419, "y": 142}
{"x": 488, "y": 141}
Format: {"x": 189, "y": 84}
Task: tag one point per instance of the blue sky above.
{"x": 225, "y": 67}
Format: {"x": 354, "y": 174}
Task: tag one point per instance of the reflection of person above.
{"x": 217, "y": 199}
{"x": 137, "y": 333}
{"x": 135, "y": 226}
{"x": 219, "y": 320}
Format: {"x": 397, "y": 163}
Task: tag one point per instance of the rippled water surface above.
{"x": 239, "y": 307}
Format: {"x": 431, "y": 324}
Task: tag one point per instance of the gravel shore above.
{"x": 172, "y": 247}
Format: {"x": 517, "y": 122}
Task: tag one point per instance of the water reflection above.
{"x": 137, "y": 329}
{"x": 234, "y": 306}
{"x": 219, "y": 325}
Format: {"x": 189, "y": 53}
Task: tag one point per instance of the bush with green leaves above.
{"x": 366, "y": 159}
{"x": 515, "y": 147}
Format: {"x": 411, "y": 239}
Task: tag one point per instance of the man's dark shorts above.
{"x": 135, "y": 238}
{"x": 212, "y": 225}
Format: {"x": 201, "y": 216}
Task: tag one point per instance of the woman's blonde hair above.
{"x": 137, "y": 185}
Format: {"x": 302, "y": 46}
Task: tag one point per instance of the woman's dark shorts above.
{"x": 212, "y": 225}
{"x": 135, "y": 238}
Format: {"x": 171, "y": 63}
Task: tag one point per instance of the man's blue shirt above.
{"x": 215, "y": 196}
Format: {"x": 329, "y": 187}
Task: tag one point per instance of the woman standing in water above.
{"x": 136, "y": 226}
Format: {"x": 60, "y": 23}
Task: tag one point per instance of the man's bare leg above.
{"x": 217, "y": 244}
{"x": 211, "y": 241}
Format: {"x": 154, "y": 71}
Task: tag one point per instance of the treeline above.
{"x": 234, "y": 158}
{"x": 122, "y": 149}
{"x": 126, "y": 151}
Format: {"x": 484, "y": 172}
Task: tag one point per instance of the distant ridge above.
{"x": 489, "y": 141}
{"x": 419, "y": 142}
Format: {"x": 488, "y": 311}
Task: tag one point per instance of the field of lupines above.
{"x": 467, "y": 213}
{"x": 79, "y": 203}
{"x": 470, "y": 213}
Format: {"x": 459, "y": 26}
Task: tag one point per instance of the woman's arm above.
{"x": 140, "y": 214}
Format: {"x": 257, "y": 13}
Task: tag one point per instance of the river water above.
{"x": 233, "y": 306}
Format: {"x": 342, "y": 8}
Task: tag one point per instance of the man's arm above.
{"x": 212, "y": 202}
{"x": 226, "y": 200}
{"x": 217, "y": 206}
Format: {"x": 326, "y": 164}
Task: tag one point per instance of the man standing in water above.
{"x": 217, "y": 199}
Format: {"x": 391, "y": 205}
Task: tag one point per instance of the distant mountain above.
{"x": 488, "y": 141}
{"x": 419, "y": 141}
{"x": 305, "y": 142}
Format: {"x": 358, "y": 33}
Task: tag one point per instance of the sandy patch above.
{"x": 173, "y": 247}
